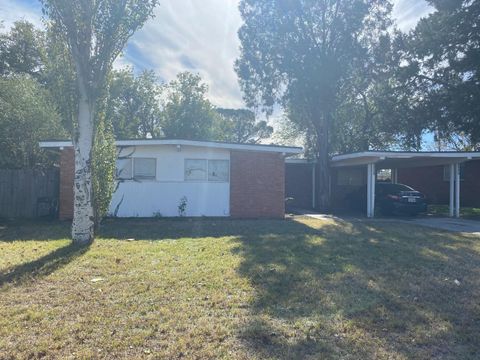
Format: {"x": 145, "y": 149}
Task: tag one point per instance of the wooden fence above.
{"x": 28, "y": 193}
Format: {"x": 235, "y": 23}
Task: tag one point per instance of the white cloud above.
{"x": 408, "y": 12}
{"x": 198, "y": 36}
{"x": 194, "y": 35}
{"x": 11, "y": 11}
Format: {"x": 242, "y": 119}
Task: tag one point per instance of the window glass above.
{"x": 218, "y": 170}
{"x": 195, "y": 169}
{"x": 124, "y": 169}
{"x": 144, "y": 168}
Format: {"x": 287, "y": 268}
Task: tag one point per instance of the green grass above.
{"x": 294, "y": 289}
{"x": 465, "y": 212}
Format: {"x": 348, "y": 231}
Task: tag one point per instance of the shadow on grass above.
{"x": 360, "y": 290}
{"x": 43, "y": 266}
{"x": 38, "y": 230}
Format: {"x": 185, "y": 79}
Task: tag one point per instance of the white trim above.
{"x": 371, "y": 179}
{"x": 457, "y": 190}
{"x": 452, "y": 189}
{"x": 407, "y": 155}
{"x": 300, "y": 161}
{"x": 287, "y": 150}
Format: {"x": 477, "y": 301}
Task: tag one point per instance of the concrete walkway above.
{"x": 449, "y": 224}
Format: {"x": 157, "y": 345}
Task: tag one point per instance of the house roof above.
{"x": 396, "y": 159}
{"x": 288, "y": 150}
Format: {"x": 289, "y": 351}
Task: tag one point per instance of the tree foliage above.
{"x": 104, "y": 155}
{"x": 302, "y": 54}
{"x": 133, "y": 104}
{"x": 22, "y": 50}
{"x": 241, "y": 126}
{"x": 27, "y": 116}
{"x": 187, "y": 113}
{"x": 442, "y": 60}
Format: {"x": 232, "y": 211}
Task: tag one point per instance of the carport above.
{"x": 374, "y": 161}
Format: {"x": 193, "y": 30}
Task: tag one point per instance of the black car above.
{"x": 391, "y": 199}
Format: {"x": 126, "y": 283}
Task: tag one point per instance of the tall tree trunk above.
{"x": 83, "y": 214}
{"x": 323, "y": 162}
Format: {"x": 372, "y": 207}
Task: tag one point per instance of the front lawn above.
{"x": 465, "y": 212}
{"x": 294, "y": 289}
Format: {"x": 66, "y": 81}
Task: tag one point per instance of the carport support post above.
{"x": 457, "y": 190}
{"x": 394, "y": 175}
{"x": 371, "y": 178}
{"x": 452, "y": 189}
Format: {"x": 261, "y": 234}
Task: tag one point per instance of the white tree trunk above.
{"x": 83, "y": 215}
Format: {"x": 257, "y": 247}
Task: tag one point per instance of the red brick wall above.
{"x": 257, "y": 185}
{"x": 298, "y": 185}
{"x": 67, "y": 173}
{"x": 429, "y": 180}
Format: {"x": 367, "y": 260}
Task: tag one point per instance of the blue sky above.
{"x": 194, "y": 35}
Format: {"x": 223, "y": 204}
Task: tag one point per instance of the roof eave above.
{"x": 287, "y": 150}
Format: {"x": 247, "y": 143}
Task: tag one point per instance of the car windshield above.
{"x": 393, "y": 188}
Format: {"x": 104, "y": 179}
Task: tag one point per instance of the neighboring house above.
{"x": 428, "y": 172}
{"x": 210, "y": 178}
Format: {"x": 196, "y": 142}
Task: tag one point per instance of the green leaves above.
{"x": 187, "y": 113}
{"x": 444, "y": 64}
{"x": 104, "y": 156}
{"x": 133, "y": 104}
{"x": 27, "y": 116}
{"x": 96, "y": 31}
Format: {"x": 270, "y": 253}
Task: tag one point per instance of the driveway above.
{"x": 449, "y": 224}
{"x": 456, "y": 225}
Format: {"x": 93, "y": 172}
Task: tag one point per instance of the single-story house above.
{"x": 450, "y": 178}
{"x": 171, "y": 177}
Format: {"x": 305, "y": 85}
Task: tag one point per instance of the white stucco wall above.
{"x": 162, "y": 195}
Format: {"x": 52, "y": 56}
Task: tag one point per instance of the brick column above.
{"x": 257, "y": 185}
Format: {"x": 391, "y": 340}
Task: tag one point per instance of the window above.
{"x": 124, "y": 169}
{"x": 446, "y": 172}
{"x": 144, "y": 168}
{"x": 195, "y": 169}
{"x": 218, "y": 170}
{"x": 207, "y": 170}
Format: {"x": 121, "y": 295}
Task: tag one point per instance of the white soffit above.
{"x": 287, "y": 150}
{"x": 388, "y": 159}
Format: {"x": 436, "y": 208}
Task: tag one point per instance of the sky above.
{"x": 193, "y": 35}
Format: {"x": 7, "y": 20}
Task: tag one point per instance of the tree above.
{"x": 301, "y": 54}
{"x": 22, "y": 50}
{"x": 95, "y": 32}
{"x": 240, "y": 125}
{"x": 441, "y": 58}
{"x": 27, "y": 116}
{"x": 133, "y": 105}
{"x": 187, "y": 113}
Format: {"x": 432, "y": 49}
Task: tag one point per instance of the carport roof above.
{"x": 398, "y": 159}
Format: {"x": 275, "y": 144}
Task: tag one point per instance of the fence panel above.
{"x": 28, "y": 193}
